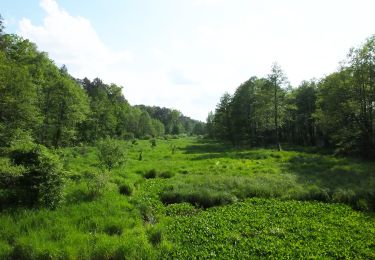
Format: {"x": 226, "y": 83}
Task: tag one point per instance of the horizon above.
{"x": 185, "y": 55}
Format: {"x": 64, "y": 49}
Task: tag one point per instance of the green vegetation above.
{"x": 85, "y": 175}
{"x": 272, "y": 229}
{"x": 219, "y": 202}
{"x": 335, "y": 112}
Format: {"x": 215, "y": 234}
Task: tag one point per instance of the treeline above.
{"x": 336, "y": 111}
{"x": 174, "y": 122}
{"x": 41, "y": 100}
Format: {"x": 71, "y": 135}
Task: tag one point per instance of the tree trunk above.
{"x": 276, "y": 120}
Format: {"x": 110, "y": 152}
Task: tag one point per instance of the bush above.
{"x": 125, "y": 189}
{"x": 111, "y": 154}
{"x": 41, "y": 183}
{"x": 151, "y": 174}
{"x": 96, "y": 183}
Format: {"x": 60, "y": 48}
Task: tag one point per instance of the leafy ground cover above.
{"x": 191, "y": 198}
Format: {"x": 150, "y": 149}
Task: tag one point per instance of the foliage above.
{"x": 97, "y": 183}
{"x": 111, "y": 154}
{"x": 259, "y": 228}
{"x": 142, "y": 226}
{"x": 335, "y": 112}
{"x": 59, "y": 111}
{"x": 35, "y": 180}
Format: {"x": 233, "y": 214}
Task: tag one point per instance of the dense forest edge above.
{"x": 276, "y": 171}
{"x": 45, "y": 102}
{"x": 335, "y": 112}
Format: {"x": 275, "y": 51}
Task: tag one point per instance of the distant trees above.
{"x": 336, "y": 111}
{"x": 173, "y": 122}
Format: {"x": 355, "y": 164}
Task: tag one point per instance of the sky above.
{"x": 185, "y": 54}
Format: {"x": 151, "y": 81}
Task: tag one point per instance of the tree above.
{"x": 111, "y": 154}
{"x": 361, "y": 65}
{"x": 210, "y": 125}
{"x": 18, "y": 99}
{"x": 2, "y": 27}
{"x": 222, "y": 119}
{"x": 243, "y": 111}
{"x": 278, "y": 80}
{"x": 346, "y": 103}
{"x": 65, "y": 106}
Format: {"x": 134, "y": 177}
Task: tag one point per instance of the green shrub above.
{"x": 42, "y": 182}
{"x": 96, "y": 183}
{"x": 151, "y": 174}
{"x": 111, "y": 154}
{"x": 125, "y": 189}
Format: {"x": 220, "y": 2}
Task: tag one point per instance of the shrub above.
{"x": 151, "y": 174}
{"x": 96, "y": 183}
{"x": 41, "y": 184}
{"x": 111, "y": 154}
{"x": 125, "y": 189}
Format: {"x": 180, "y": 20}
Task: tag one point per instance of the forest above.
{"x": 334, "y": 112}
{"x": 277, "y": 171}
{"x": 44, "y": 102}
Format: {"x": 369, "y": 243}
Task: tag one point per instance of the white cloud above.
{"x": 72, "y": 41}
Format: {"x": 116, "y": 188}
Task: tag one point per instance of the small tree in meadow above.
{"x": 111, "y": 154}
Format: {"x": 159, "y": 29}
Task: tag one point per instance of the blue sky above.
{"x": 185, "y": 54}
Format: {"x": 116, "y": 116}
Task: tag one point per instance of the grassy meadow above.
{"x": 193, "y": 198}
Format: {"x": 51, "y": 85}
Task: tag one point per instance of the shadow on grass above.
{"x": 206, "y": 146}
{"x": 333, "y": 179}
{"x": 208, "y": 149}
{"x": 318, "y": 175}
{"x": 330, "y": 172}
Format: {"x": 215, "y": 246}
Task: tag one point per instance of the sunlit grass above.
{"x": 196, "y": 185}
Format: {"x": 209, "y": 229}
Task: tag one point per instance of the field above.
{"x": 192, "y": 198}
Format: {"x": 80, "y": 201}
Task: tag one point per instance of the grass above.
{"x": 191, "y": 198}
